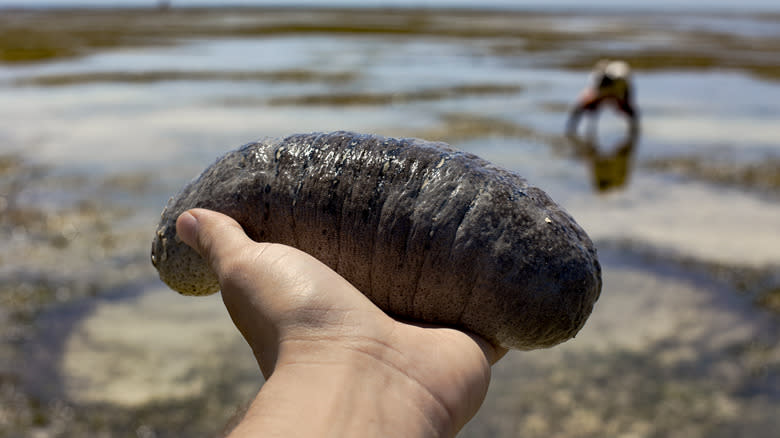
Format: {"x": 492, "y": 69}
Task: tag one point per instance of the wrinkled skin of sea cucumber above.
{"x": 427, "y": 232}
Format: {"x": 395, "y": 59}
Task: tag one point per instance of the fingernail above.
{"x": 187, "y": 228}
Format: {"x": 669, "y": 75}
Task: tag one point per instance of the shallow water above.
{"x": 94, "y": 145}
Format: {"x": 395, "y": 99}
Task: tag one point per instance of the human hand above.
{"x": 335, "y": 364}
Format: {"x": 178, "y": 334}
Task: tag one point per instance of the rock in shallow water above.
{"x": 427, "y": 232}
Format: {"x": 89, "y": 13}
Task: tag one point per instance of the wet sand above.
{"x": 685, "y": 340}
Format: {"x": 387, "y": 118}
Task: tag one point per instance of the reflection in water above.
{"x": 609, "y": 170}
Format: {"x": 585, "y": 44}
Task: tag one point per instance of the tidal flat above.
{"x": 107, "y": 113}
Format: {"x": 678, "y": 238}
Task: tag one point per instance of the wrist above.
{"x": 352, "y": 391}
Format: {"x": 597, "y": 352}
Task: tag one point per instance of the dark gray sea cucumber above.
{"x": 427, "y": 232}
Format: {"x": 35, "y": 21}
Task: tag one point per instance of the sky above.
{"x": 753, "y": 5}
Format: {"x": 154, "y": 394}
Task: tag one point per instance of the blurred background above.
{"x": 108, "y": 109}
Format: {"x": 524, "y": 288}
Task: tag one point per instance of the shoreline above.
{"x": 28, "y": 38}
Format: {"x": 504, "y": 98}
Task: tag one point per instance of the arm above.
{"x": 588, "y": 100}
{"x": 574, "y": 120}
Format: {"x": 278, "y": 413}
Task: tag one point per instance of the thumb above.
{"x": 243, "y": 279}
{"x": 242, "y": 265}
{"x": 213, "y": 235}
{"x": 271, "y": 291}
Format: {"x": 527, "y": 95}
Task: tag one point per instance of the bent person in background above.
{"x": 610, "y": 83}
